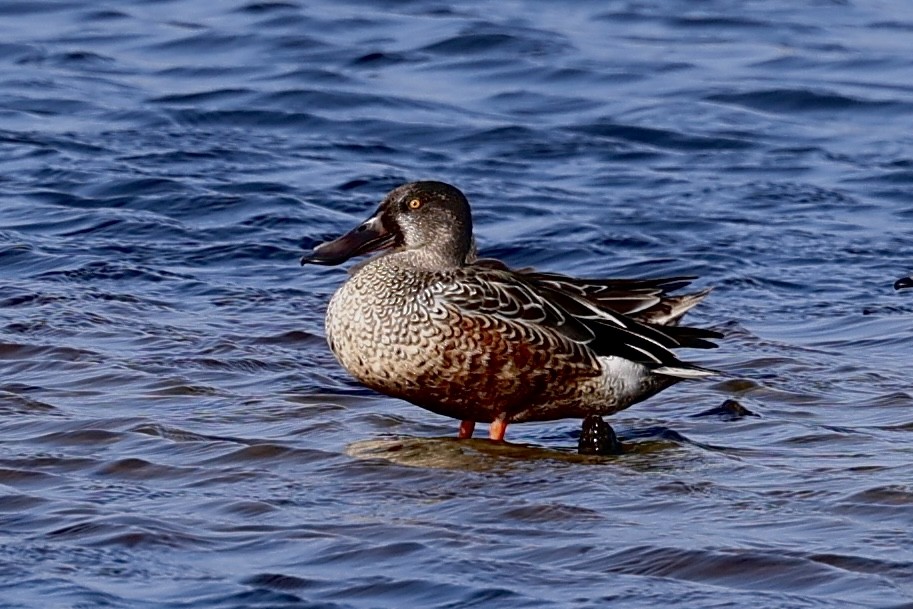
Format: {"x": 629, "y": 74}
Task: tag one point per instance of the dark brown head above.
{"x": 430, "y": 218}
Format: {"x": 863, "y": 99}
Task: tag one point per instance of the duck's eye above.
{"x": 415, "y": 203}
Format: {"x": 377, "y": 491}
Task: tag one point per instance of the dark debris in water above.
{"x": 598, "y": 438}
{"x": 729, "y": 410}
{"x": 903, "y": 283}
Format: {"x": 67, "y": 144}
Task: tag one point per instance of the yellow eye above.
{"x": 415, "y": 203}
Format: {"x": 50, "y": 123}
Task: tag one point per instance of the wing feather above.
{"x": 564, "y": 313}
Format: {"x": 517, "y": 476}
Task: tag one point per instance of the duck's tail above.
{"x": 670, "y": 310}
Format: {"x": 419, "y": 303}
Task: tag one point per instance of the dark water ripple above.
{"x": 175, "y": 434}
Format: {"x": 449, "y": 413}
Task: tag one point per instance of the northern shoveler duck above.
{"x": 903, "y": 282}
{"x": 429, "y": 322}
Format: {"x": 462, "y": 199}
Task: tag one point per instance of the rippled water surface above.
{"x": 174, "y": 432}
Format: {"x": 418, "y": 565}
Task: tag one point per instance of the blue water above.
{"x": 175, "y": 434}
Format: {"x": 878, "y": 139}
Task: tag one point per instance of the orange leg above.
{"x": 497, "y": 429}
{"x": 466, "y": 428}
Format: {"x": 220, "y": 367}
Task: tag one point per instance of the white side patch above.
{"x": 623, "y": 381}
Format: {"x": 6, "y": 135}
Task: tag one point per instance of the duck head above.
{"x": 431, "y": 219}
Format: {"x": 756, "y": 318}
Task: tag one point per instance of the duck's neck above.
{"x": 428, "y": 259}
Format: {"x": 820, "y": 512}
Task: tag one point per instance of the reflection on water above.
{"x": 484, "y": 455}
{"x": 174, "y": 432}
{"x": 470, "y": 455}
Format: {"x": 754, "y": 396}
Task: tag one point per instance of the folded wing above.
{"x": 570, "y": 313}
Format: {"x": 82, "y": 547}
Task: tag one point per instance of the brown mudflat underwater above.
{"x": 176, "y": 434}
